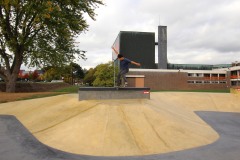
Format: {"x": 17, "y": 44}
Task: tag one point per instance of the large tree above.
{"x": 104, "y": 75}
{"x": 89, "y": 76}
{"x": 38, "y": 32}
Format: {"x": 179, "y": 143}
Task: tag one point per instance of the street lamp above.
{"x": 72, "y": 66}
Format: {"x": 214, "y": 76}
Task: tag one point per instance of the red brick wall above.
{"x": 172, "y": 81}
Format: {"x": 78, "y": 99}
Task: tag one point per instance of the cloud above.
{"x": 199, "y": 31}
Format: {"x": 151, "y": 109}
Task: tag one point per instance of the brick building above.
{"x": 140, "y": 47}
{"x": 165, "y": 79}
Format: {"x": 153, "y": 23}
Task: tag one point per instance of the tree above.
{"x": 51, "y": 74}
{"x": 68, "y": 72}
{"x": 77, "y": 71}
{"x": 89, "y": 76}
{"x": 40, "y": 32}
{"x": 34, "y": 75}
{"x": 104, "y": 75}
{"x": 26, "y": 76}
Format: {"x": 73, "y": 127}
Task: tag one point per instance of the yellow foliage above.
{"x": 50, "y": 9}
{"x": 49, "y": 3}
{"x": 47, "y": 15}
{"x": 6, "y": 2}
{"x": 37, "y": 19}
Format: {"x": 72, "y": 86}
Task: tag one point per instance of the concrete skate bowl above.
{"x": 164, "y": 124}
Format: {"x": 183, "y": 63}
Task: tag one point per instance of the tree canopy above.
{"x": 89, "y": 76}
{"x": 104, "y": 75}
{"x": 37, "y": 32}
{"x": 68, "y": 73}
{"x": 101, "y": 76}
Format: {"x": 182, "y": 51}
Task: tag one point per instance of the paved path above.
{"x": 16, "y": 142}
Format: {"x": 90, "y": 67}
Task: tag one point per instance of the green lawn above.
{"x": 74, "y": 89}
{"x": 66, "y": 90}
{"x": 71, "y": 89}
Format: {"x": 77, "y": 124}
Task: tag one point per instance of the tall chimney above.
{"x": 162, "y": 47}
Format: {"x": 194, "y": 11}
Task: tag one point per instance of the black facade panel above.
{"x": 138, "y": 47}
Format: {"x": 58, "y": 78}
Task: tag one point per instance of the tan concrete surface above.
{"x": 165, "y": 123}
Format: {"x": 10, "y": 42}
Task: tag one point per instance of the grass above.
{"x": 65, "y": 90}
{"x": 71, "y": 89}
{"x": 15, "y": 96}
{"x": 74, "y": 89}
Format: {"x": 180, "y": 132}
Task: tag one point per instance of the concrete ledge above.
{"x": 135, "y": 76}
{"x": 96, "y": 93}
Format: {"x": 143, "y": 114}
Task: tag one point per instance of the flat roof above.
{"x": 178, "y": 70}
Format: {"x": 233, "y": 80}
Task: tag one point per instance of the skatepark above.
{"x": 169, "y": 125}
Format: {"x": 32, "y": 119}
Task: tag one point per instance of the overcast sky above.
{"x": 199, "y": 31}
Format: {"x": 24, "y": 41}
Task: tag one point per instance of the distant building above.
{"x": 140, "y": 47}
{"x": 235, "y": 75}
{"x": 137, "y": 46}
{"x": 166, "y": 79}
{"x": 236, "y": 63}
{"x": 197, "y": 66}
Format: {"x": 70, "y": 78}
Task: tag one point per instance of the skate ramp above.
{"x": 166, "y": 123}
{"x": 19, "y": 143}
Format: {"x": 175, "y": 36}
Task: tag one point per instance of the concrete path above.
{"x": 16, "y": 142}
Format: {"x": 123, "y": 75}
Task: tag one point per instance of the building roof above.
{"x": 197, "y": 66}
{"x": 179, "y": 70}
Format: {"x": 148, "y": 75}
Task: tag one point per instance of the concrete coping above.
{"x": 97, "y": 93}
{"x": 135, "y": 76}
{"x": 114, "y": 89}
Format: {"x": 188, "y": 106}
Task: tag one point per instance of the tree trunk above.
{"x": 11, "y": 85}
{"x": 12, "y": 73}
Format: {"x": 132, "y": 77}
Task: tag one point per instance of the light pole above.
{"x": 71, "y": 72}
{"x": 72, "y": 81}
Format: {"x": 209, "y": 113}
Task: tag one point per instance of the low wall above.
{"x": 97, "y": 93}
{"x": 35, "y": 87}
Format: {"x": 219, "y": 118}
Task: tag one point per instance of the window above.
{"x": 222, "y": 82}
{"x": 198, "y": 81}
{"x": 234, "y": 83}
{"x": 191, "y": 82}
{"x": 215, "y": 82}
{"x": 190, "y": 75}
